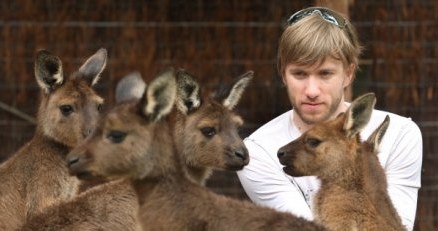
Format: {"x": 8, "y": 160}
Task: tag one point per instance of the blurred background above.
{"x": 217, "y": 40}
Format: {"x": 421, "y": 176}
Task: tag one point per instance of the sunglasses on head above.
{"x": 325, "y": 13}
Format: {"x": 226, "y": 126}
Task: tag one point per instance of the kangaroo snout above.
{"x": 86, "y": 132}
{"x": 77, "y": 165}
{"x": 283, "y": 156}
{"x": 239, "y": 158}
{"x": 72, "y": 161}
{"x": 280, "y": 154}
{"x": 242, "y": 154}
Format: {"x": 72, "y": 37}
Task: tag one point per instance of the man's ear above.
{"x": 349, "y": 74}
{"x": 283, "y": 78}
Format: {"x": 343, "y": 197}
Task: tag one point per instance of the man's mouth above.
{"x": 311, "y": 106}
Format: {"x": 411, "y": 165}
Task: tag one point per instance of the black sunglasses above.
{"x": 325, "y": 13}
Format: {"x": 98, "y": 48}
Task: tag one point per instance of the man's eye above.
{"x": 208, "y": 131}
{"x": 66, "y": 109}
{"x": 299, "y": 75}
{"x": 116, "y": 136}
{"x": 312, "y": 142}
{"x": 326, "y": 74}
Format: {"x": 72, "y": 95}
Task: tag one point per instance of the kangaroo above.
{"x": 110, "y": 205}
{"x": 135, "y": 141}
{"x": 206, "y": 129}
{"x": 92, "y": 210}
{"x": 36, "y": 176}
{"x": 353, "y": 193}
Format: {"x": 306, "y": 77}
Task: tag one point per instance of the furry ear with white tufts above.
{"x": 376, "y": 137}
{"x": 236, "y": 91}
{"x": 359, "y": 113}
{"x": 188, "y": 96}
{"x": 130, "y": 87}
{"x": 48, "y": 71}
{"x": 160, "y": 96}
{"x": 93, "y": 67}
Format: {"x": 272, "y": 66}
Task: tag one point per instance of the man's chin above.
{"x": 313, "y": 118}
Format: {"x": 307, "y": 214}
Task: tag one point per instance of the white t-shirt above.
{"x": 266, "y": 184}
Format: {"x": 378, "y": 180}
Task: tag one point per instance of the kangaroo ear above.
{"x": 377, "y": 136}
{"x": 188, "y": 96}
{"x": 48, "y": 71}
{"x": 130, "y": 87}
{"x": 160, "y": 96}
{"x": 359, "y": 113}
{"x": 237, "y": 90}
{"x": 93, "y": 67}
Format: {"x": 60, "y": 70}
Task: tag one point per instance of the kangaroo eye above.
{"x": 116, "y": 136}
{"x": 66, "y": 109}
{"x": 208, "y": 132}
{"x": 312, "y": 142}
{"x": 99, "y": 107}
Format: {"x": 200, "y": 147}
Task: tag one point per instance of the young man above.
{"x": 317, "y": 59}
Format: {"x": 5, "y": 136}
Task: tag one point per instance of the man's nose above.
{"x": 312, "y": 87}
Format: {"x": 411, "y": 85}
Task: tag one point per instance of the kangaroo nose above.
{"x": 87, "y": 132}
{"x": 240, "y": 154}
{"x": 72, "y": 160}
{"x": 280, "y": 154}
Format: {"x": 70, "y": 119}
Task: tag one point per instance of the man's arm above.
{"x": 266, "y": 184}
{"x": 403, "y": 172}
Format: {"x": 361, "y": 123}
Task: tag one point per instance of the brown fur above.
{"x": 110, "y": 205}
{"x": 206, "y": 129}
{"x": 210, "y": 112}
{"x": 353, "y": 194}
{"x": 131, "y": 143}
{"x": 36, "y": 176}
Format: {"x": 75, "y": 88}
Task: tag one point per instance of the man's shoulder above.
{"x": 399, "y": 121}
{"x": 398, "y": 126}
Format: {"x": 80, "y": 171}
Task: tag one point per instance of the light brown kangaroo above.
{"x": 223, "y": 149}
{"x": 108, "y": 206}
{"x": 134, "y": 140}
{"x": 353, "y": 193}
{"x": 206, "y": 128}
{"x": 36, "y": 176}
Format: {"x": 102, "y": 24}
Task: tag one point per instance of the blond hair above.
{"x": 312, "y": 39}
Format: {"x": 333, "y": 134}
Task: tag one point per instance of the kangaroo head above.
{"x": 69, "y": 107}
{"x": 328, "y": 146}
{"x": 132, "y": 139}
{"x": 207, "y": 129}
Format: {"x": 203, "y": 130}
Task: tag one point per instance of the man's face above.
{"x": 316, "y": 91}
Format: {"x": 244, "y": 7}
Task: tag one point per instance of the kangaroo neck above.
{"x": 49, "y": 144}
{"x": 198, "y": 174}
